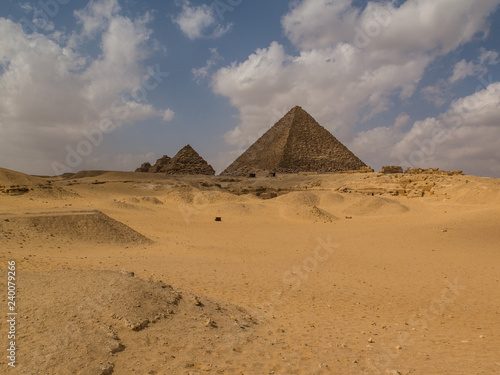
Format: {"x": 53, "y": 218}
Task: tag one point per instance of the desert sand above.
{"x": 341, "y": 273}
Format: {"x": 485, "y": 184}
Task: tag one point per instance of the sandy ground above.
{"x": 324, "y": 278}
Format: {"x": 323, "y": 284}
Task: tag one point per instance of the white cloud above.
{"x": 464, "y": 69}
{"x": 168, "y": 115}
{"x": 401, "y": 121}
{"x": 97, "y": 15}
{"x": 466, "y": 137}
{"x": 488, "y": 57}
{"x": 199, "y": 74}
{"x": 351, "y": 64}
{"x": 376, "y": 144}
{"x": 436, "y": 93}
{"x": 414, "y": 26}
{"x": 200, "y": 21}
{"x": 120, "y": 162}
{"x": 319, "y": 24}
{"x": 51, "y": 91}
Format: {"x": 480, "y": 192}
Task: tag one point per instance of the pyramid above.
{"x": 188, "y": 161}
{"x": 160, "y": 165}
{"x": 145, "y": 167}
{"x": 296, "y": 143}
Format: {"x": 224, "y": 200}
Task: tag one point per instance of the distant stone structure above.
{"x": 296, "y": 143}
{"x": 432, "y": 171}
{"x": 392, "y": 169}
{"x": 160, "y": 164}
{"x": 187, "y": 161}
{"x": 365, "y": 169}
{"x": 145, "y": 167}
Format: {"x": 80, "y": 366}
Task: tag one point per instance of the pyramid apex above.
{"x": 298, "y": 109}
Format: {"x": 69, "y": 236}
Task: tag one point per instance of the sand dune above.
{"x": 375, "y": 206}
{"x": 305, "y": 198}
{"x": 332, "y": 199}
{"x": 307, "y": 214}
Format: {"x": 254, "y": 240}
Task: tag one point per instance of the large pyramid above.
{"x": 188, "y": 161}
{"x": 296, "y": 143}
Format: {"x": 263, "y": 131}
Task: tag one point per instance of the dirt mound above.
{"x": 236, "y": 210}
{"x": 151, "y": 200}
{"x": 332, "y": 199}
{"x": 123, "y": 204}
{"x": 84, "y": 322}
{"x": 311, "y": 214}
{"x": 366, "y": 206}
{"x": 216, "y": 197}
{"x": 89, "y": 226}
{"x": 305, "y": 198}
{"x": 184, "y": 195}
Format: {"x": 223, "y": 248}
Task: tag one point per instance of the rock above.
{"x": 365, "y": 169}
{"x": 432, "y": 171}
{"x": 392, "y": 169}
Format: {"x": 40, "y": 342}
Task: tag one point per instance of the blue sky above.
{"x": 110, "y": 84}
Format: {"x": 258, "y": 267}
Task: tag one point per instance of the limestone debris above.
{"x": 392, "y": 169}
{"x": 432, "y": 171}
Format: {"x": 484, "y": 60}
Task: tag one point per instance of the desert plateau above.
{"x": 130, "y": 273}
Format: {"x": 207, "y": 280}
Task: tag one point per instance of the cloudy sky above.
{"x": 109, "y": 84}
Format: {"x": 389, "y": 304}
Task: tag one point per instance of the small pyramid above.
{"x": 160, "y": 164}
{"x": 145, "y": 167}
{"x": 188, "y": 161}
{"x": 296, "y": 143}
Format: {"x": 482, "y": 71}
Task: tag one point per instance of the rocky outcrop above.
{"x": 188, "y": 161}
{"x": 296, "y": 143}
{"x": 432, "y": 171}
{"x": 392, "y": 169}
